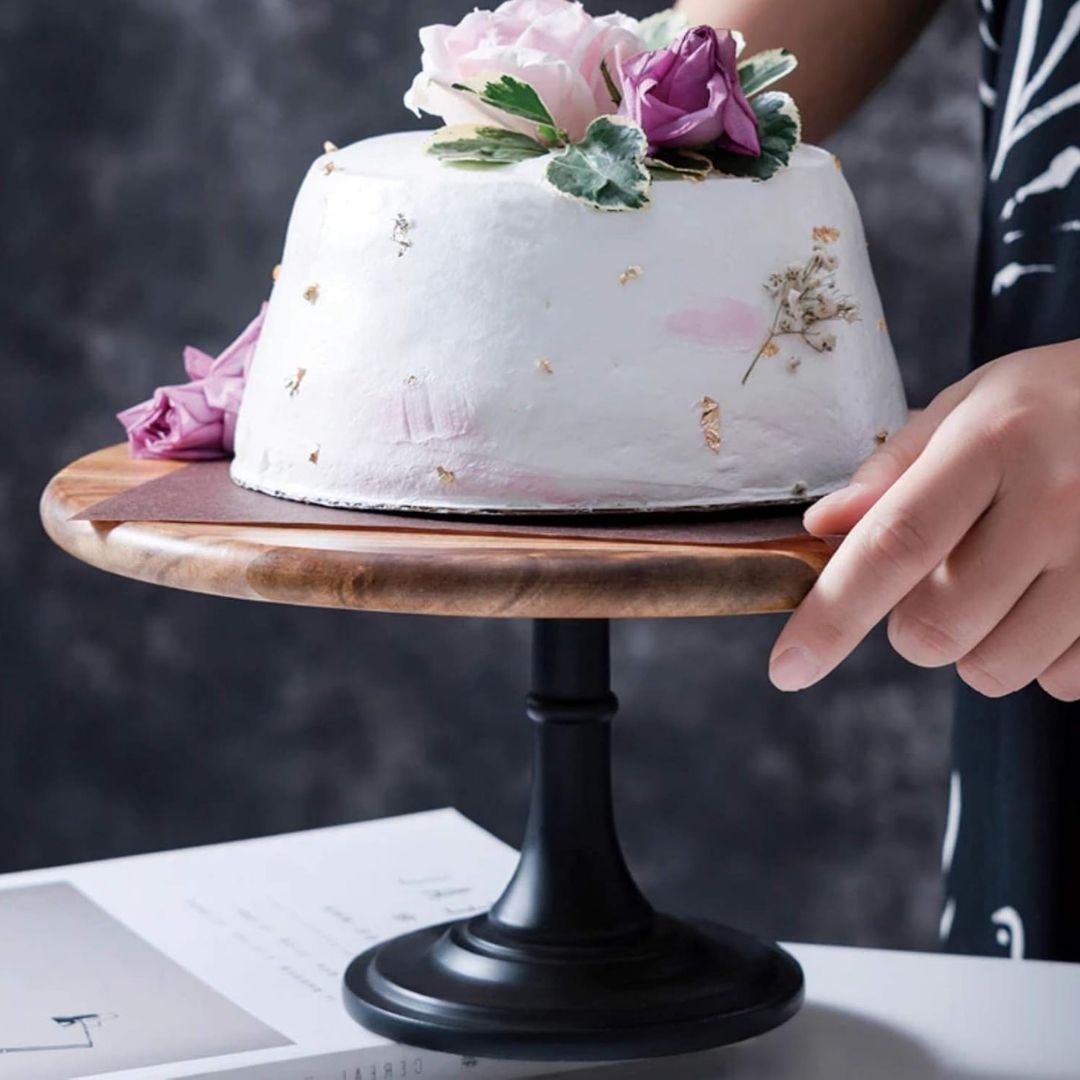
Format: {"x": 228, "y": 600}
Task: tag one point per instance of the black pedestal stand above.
{"x": 572, "y": 963}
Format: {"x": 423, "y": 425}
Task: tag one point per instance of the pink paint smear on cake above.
{"x": 720, "y": 323}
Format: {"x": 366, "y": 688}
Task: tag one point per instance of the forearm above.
{"x": 845, "y": 47}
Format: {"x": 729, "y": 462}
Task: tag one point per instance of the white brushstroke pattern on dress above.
{"x": 1056, "y": 178}
{"x": 1016, "y": 122}
{"x": 1010, "y": 933}
{"x": 1009, "y": 275}
{"x": 948, "y": 915}
{"x": 948, "y": 848}
{"x": 1070, "y": 27}
{"x": 987, "y": 37}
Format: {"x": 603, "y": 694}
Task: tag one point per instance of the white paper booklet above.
{"x": 226, "y": 961}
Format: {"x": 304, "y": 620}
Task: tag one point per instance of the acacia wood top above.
{"x": 425, "y": 573}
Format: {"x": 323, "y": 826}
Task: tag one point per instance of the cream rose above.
{"x": 553, "y": 45}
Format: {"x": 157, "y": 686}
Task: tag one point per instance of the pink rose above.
{"x": 196, "y": 421}
{"x": 554, "y": 46}
{"x": 689, "y": 95}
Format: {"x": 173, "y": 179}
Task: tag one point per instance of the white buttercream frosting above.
{"x": 470, "y": 340}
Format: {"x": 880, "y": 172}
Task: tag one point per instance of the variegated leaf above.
{"x": 606, "y": 170}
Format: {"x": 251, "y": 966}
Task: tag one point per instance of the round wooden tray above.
{"x": 425, "y": 573}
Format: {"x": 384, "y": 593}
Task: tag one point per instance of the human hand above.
{"x": 966, "y": 527}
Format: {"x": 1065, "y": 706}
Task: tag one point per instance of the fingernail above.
{"x": 836, "y": 497}
{"x": 794, "y": 669}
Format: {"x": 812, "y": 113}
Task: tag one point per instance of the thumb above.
{"x": 837, "y": 514}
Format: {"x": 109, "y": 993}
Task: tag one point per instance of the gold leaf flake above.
{"x": 882, "y": 325}
{"x": 313, "y": 457}
{"x": 311, "y": 294}
{"x": 400, "y": 235}
{"x": 329, "y": 147}
{"x": 826, "y": 234}
{"x": 799, "y": 491}
{"x": 710, "y": 424}
{"x": 329, "y": 168}
{"x": 293, "y": 384}
{"x": 793, "y": 364}
{"x": 275, "y": 273}
{"x": 882, "y": 437}
{"x": 770, "y": 348}
{"x": 631, "y": 273}
{"x": 838, "y": 163}
{"x": 544, "y": 364}
{"x": 445, "y": 475}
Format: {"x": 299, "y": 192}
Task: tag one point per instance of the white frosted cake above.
{"x": 473, "y": 340}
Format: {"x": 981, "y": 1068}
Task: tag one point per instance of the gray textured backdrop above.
{"x": 150, "y": 153}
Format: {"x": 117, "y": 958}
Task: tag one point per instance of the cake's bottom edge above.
{"x": 540, "y": 509}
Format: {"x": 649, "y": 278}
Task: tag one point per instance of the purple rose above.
{"x": 175, "y": 423}
{"x": 689, "y": 95}
{"x": 196, "y": 421}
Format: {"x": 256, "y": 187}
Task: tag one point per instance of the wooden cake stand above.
{"x": 571, "y": 963}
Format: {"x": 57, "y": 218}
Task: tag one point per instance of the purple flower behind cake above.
{"x": 196, "y": 421}
{"x": 689, "y": 95}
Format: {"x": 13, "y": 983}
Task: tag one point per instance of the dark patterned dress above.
{"x": 1012, "y": 844}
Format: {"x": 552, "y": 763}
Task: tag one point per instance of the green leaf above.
{"x": 679, "y": 164}
{"x": 551, "y": 136}
{"x": 510, "y": 95}
{"x": 469, "y": 144}
{"x": 606, "y": 170}
{"x": 779, "y": 129}
{"x": 764, "y": 68}
{"x": 660, "y": 30}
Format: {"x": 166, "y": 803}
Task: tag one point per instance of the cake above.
{"x": 467, "y": 341}
{"x": 614, "y": 281}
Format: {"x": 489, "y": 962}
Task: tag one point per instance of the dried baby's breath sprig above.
{"x": 400, "y": 235}
{"x": 807, "y": 298}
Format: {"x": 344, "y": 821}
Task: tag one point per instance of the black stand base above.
{"x": 572, "y": 963}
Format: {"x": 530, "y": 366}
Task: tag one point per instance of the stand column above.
{"x": 572, "y": 884}
{"x": 572, "y": 963}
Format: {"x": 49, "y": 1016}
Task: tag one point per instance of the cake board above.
{"x": 571, "y": 963}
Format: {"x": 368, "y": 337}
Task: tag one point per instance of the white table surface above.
{"x": 873, "y": 1015}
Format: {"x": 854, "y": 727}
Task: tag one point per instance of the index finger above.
{"x": 910, "y": 530}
